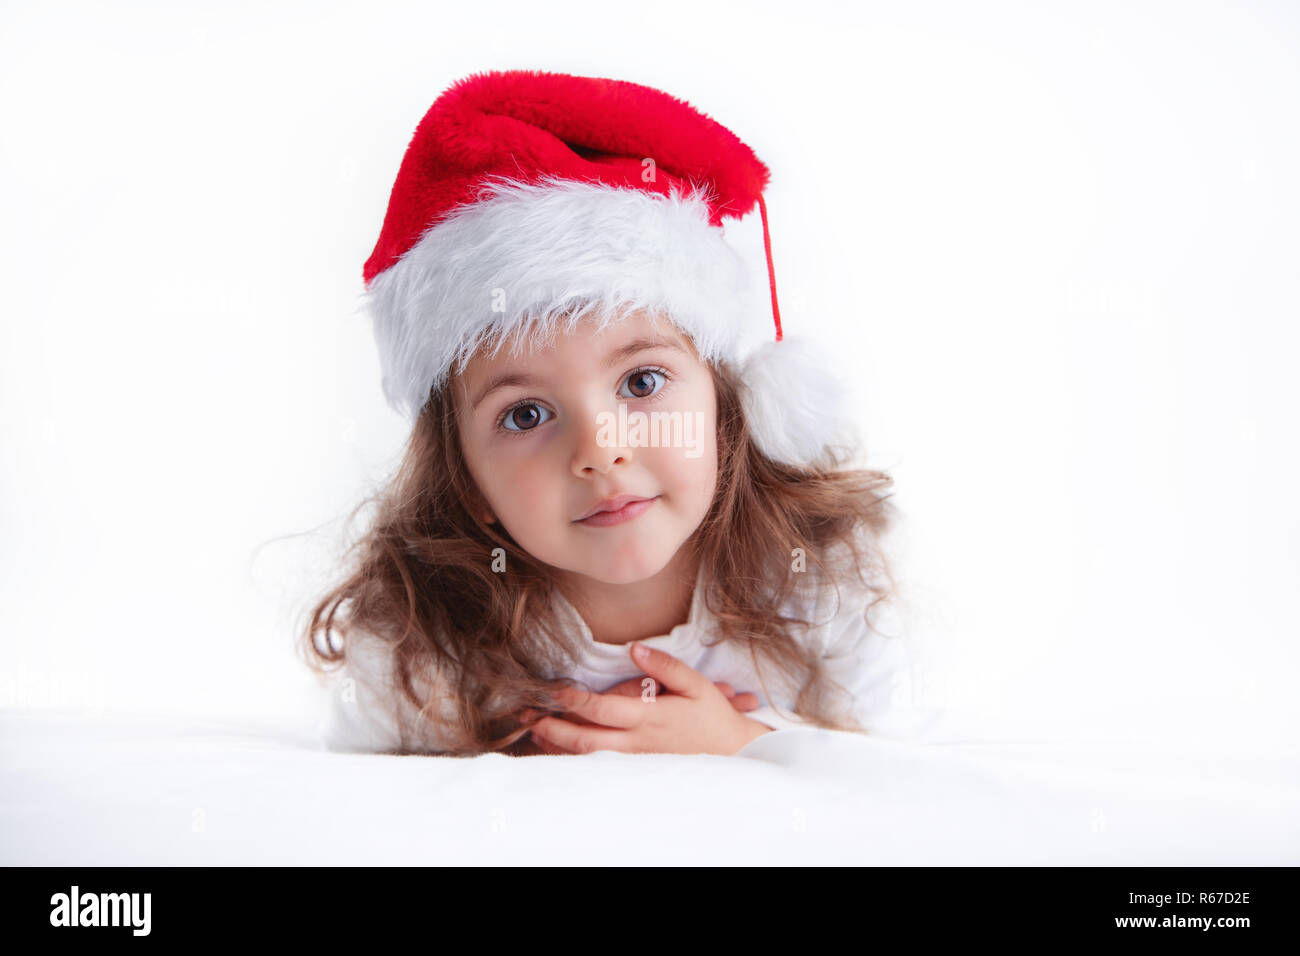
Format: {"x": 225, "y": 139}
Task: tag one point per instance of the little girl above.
{"x": 595, "y": 470}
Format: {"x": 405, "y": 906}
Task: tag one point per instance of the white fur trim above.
{"x": 535, "y": 251}
{"x": 796, "y": 404}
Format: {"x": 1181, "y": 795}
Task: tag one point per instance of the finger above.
{"x": 525, "y": 746}
{"x": 727, "y": 690}
{"x": 532, "y": 716}
{"x": 635, "y": 687}
{"x": 745, "y": 701}
{"x": 607, "y": 710}
{"x": 577, "y": 739}
{"x": 673, "y": 673}
{"x": 537, "y": 744}
{"x": 546, "y": 747}
{"x": 632, "y": 687}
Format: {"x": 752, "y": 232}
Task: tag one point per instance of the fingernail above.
{"x": 640, "y": 651}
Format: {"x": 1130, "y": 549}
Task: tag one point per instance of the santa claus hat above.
{"x": 528, "y": 200}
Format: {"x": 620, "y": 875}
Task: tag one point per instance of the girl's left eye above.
{"x": 642, "y": 384}
{"x": 640, "y": 376}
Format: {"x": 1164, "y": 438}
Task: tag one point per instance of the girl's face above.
{"x": 549, "y": 443}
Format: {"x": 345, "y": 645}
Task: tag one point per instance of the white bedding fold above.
{"x": 124, "y": 790}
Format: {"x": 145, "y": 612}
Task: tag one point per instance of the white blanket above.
{"x": 138, "y": 790}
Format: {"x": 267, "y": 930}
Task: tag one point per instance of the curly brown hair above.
{"x": 423, "y": 582}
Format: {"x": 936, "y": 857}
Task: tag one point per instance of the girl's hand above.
{"x": 634, "y": 687}
{"x": 628, "y": 688}
{"x": 695, "y": 716}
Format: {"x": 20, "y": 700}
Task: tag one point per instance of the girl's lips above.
{"x": 604, "y": 519}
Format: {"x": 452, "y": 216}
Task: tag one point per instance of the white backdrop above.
{"x": 1057, "y": 242}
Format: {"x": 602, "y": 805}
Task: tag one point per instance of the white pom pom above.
{"x": 796, "y": 405}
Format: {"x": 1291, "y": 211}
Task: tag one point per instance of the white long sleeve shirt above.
{"x": 875, "y": 669}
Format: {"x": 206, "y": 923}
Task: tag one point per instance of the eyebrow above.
{"x": 519, "y": 378}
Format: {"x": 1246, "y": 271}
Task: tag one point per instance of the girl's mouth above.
{"x": 604, "y": 519}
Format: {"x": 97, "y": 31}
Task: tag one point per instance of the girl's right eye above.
{"x": 531, "y": 422}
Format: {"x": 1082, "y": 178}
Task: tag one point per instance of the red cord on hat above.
{"x": 771, "y": 275}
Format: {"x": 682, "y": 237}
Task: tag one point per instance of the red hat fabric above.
{"x": 523, "y": 124}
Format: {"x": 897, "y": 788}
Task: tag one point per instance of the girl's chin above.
{"x": 616, "y": 572}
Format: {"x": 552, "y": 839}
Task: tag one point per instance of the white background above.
{"x": 1056, "y": 243}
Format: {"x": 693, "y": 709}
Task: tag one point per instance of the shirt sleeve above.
{"x": 862, "y": 662}
{"x": 870, "y": 653}
{"x": 368, "y": 713}
{"x": 775, "y": 720}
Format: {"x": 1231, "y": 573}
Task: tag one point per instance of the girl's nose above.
{"x": 597, "y": 442}
{"x": 595, "y": 457}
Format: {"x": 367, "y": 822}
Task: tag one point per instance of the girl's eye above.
{"x": 642, "y": 384}
{"x": 529, "y": 421}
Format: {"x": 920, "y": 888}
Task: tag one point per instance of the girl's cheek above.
{"x": 520, "y": 461}
{"x": 515, "y": 447}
